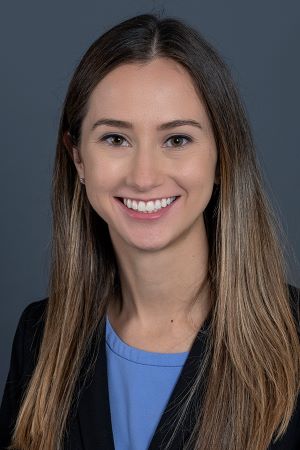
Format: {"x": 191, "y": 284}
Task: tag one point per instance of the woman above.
{"x": 169, "y": 321}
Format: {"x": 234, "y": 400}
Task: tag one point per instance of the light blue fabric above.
{"x": 140, "y": 384}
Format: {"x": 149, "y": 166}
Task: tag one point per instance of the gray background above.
{"x": 42, "y": 42}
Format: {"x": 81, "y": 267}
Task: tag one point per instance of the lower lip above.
{"x": 147, "y": 216}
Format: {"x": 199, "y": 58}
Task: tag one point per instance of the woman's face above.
{"x": 145, "y": 159}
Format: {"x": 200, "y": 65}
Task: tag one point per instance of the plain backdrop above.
{"x": 41, "y": 44}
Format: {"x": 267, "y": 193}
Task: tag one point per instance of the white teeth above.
{"x": 148, "y": 207}
{"x": 141, "y": 206}
{"x": 157, "y": 204}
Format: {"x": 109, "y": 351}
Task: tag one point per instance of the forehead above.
{"x": 160, "y": 88}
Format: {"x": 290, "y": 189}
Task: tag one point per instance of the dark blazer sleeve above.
{"x": 23, "y": 358}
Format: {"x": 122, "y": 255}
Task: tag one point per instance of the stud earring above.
{"x": 82, "y": 180}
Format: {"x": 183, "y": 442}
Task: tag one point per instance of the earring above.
{"x": 82, "y": 180}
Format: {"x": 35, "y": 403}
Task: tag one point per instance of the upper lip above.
{"x": 148, "y": 199}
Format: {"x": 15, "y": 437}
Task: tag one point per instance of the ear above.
{"x": 74, "y": 153}
{"x": 78, "y": 162}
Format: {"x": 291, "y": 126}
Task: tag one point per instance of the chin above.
{"x": 147, "y": 245}
{"x": 153, "y": 245}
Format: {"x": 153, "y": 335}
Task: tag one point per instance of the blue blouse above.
{"x": 140, "y": 384}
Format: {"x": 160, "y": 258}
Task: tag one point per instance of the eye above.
{"x": 177, "y": 138}
{"x": 115, "y": 140}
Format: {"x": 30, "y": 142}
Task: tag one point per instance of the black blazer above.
{"x": 90, "y": 425}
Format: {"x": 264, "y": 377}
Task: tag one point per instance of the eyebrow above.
{"x": 128, "y": 125}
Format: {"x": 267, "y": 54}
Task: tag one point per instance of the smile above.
{"x": 148, "y": 207}
{"x": 145, "y": 211}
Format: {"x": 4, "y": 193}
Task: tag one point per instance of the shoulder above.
{"x": 24, "y": 353}
{"x": 32, "y": 318}
{"x": 28, "y": 335}
{"x": 35, "y": 309}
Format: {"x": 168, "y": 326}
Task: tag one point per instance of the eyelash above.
{"x": 105, "y": 137}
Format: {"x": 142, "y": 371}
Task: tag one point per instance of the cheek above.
{"x": 198, "y": 180}
{"x": 100, "y": 183}
{"x": 101, "y": 175}
{"x": 103, "y": 170}
{"x": 200, "y": 172}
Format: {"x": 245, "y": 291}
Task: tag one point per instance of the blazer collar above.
{"x": 94, "y": 411}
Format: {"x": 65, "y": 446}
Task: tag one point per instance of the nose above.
{"x": 145, "y": 169}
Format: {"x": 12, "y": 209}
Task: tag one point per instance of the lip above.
{"x": 146, "y": 216}
{"x": 148, "y": 199}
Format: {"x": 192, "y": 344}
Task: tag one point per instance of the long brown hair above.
{"x": 252, "y": 359}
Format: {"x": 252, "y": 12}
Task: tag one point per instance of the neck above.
{"x": 159, "y": 288}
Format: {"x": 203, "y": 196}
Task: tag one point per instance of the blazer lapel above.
{"x": 94, "y": 415}
{"x": 93, "y": 410}
{"x": 166, "y": 426}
